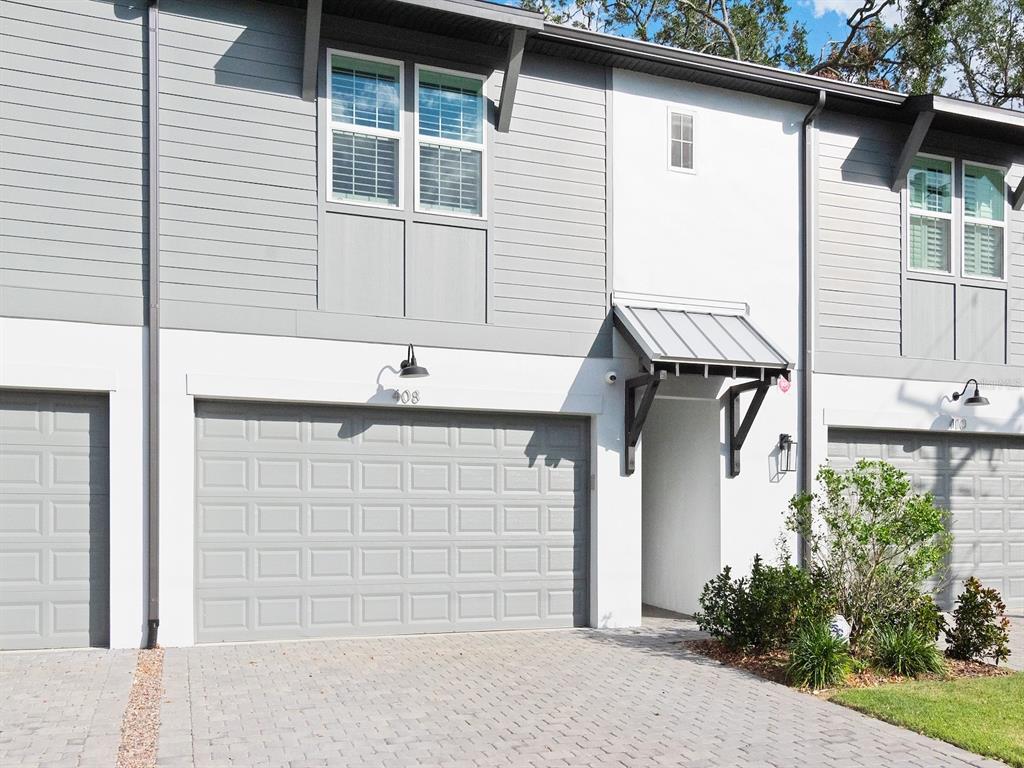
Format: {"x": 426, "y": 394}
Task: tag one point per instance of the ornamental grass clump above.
{"x": 818, "y": 658}
{"x": 906, "y": 651}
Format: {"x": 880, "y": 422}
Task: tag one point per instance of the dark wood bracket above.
{"x": 1017, "y": 197}
{"x": 637, "y": 415}
{"x": 740, "y": 427}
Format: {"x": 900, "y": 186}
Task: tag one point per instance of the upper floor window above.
{"x": 450, "y": 142}
{"x": 365, "y": 117}
{"x": 680, "y": 141}
{"x": 931, "y": 214}
{"x": 984, "y": 222}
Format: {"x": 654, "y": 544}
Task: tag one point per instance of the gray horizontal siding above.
{"x": 866, "y": 306}
{"x": 238, "y": 200}
{"x": 73, "y": 203}
{"x": 548, "y": 202}
{"x": 858, "y": 240}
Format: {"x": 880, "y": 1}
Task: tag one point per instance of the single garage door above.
{"x": 980, "y": 479}
{"x": 54, "y": 559}
{"x": 319, "y": 521}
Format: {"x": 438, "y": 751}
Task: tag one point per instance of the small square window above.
{"x": 680, "y": 141}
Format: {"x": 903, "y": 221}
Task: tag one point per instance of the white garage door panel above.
{"x": 325, "y": 521}
{"x": 53, "y": 520}
{"x": 979, "y": 479}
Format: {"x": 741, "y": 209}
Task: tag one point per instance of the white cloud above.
{"x": 844, "y": 8}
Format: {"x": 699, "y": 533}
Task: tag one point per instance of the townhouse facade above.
{"x": 329, "y": 319}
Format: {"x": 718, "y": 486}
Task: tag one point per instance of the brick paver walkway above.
{"x": 561, "y": 698}
{"x": 63, "y": 708}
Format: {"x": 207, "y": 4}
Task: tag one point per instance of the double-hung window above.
{"x": 366, "y": 129}
{"x": 680, "y": 141}
{"x": 449, "y": 142}
{"x": 984, "y": 241}
{"x": 930, "y": 186}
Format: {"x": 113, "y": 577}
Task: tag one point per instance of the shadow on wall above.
{"x": 953, "y": 451}
{"x": 266, "y": 54}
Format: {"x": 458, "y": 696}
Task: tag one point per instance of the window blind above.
{"x": 450, "y": 107}
{"x": 364, "y": 93}
{"x": 450, "y": 178}
{"x": 365, "y": 168}
{"x": 929, "y": 243}
{"x": 983, "y": 250}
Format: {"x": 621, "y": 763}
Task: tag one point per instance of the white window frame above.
{"x": 333, "y": 126}
{"x": 668, "y": 142}
{"x": 950, "y": 217}
{"x": 443, "y": 142}
{"x": 965, "y": 220}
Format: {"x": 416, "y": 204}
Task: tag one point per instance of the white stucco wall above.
{"x": 105, "y": 359}
{"x": 728, "y": 232}
{"x": 198, "y": 365}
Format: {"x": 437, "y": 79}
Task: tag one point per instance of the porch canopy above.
{"x": 676, "y": 341}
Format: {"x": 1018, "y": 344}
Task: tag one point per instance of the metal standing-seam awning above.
{"x": 685, "y": 341}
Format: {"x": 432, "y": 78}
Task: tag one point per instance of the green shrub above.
{"x": 980, "y": 628}
{"x": 817, "y": 658}
{"x": 760, "y": 611}
{"x": 873, "y": 542}
{"x": 905, "y": 650}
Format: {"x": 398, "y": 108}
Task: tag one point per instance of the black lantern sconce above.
{"x": 975, "y": 399}
{"x": 409, "y": 368}
{"x": 787, "y": 453}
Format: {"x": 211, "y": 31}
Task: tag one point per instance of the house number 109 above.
{"x": 407, "y": 397}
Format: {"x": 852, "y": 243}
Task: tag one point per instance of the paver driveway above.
{"x": 558, "y": 698}
{"x": 63, "y": 708}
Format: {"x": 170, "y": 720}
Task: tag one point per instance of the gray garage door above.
{"x": 318, "y": 521}
{"x": 54, "y": 558}
{"x": 980, "y": 479}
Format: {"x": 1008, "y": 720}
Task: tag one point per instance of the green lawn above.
{"x": 983, "y": 715}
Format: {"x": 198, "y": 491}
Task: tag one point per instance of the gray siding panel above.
{"x": 73, "y": 205}
{"x": 981, "y": 324}
{"x": 238, "y": 153}
{"x": 858, "y": 239}
{"x": 549, "y": 201}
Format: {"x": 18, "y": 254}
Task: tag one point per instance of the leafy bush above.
{"x": 817, "y": 658}
{"x": 923, "y": 613}
{"x": 980, "y": 628}
{"x": 759, "y": 611}
{"x": 905, "y": 650}
{"x": 873, "y": 542}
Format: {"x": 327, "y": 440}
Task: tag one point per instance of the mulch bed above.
{"x": 140, "y": 726}
{"x": 771, "y": 665}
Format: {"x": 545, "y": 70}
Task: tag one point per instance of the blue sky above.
{"x": 824, "y": 19}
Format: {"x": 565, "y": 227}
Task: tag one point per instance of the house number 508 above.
{"x": 406, "y": 396}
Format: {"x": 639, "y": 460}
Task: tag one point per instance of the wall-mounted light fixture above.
{"x": 975, "y": 399}
{"x": 409, "y": 368}
{"x": 787, "y": 453}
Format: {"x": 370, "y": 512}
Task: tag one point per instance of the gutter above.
{"x": 812, "y": 84}
{"x": 153, "y": 327}
{"x": 808, "y": 166}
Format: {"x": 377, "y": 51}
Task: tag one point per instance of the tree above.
{"x": 908, "y": 55}
{"x": 748, "y": 30}
{"x": 873, "y": 542}
{"x": 987, "y": 51}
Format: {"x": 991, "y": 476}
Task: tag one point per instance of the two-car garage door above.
{"x": 979, "y": 479}
{"x": 316, "y": 521}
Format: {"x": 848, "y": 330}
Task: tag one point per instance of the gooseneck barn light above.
{"x": 409, "y": 368}
{"x": 975, "y": 399}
